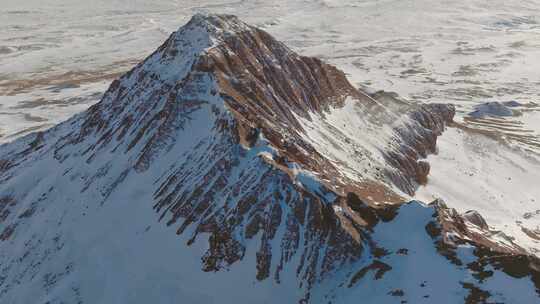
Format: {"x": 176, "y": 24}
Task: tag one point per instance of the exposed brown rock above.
{"x": 422, "y": 171}
{"x": 379, "y": 267}
{"x": 508, "y": 258}
{"x": 455, "y": 230}
{"x": 476, "y": 295}
{"x": 7, "y": 232}
{"x": 476, "y": 219}
{"x": 534, "y": 234}
{"x": 4, "y": 165}
{"x": 5, "y": 203}
{"x": 417, "y": 144}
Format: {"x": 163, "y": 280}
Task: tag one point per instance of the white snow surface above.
{"x": 465, "y": 52}
{"x": 473, "y": 172}
{"x": 354, "y": 138}
{"x": 421, "y": 273}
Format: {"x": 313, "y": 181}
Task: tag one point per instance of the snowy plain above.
{"x": 466, "y": 52}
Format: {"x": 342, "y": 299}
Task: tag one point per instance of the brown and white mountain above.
{"x": 226, "y": 168}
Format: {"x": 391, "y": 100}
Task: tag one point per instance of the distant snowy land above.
{"x": 59, "y": 57}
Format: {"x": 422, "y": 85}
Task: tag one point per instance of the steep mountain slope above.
{"x": 278, "y": 175}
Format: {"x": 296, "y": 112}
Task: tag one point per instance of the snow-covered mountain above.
{"x": 227, "y": 168}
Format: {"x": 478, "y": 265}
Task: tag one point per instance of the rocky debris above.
{"x": 534, "y": 234}
{"x": 475, "y": 218}
{"x": 396, "y": 293}
{"x": 457, "y": 228}
{"x": 4, "y": 165}
{"x": 476, "y": 295}
{"x": 7, "y": 232}
{"x": 378, "y": 267}
{"x": 5, "y": 203}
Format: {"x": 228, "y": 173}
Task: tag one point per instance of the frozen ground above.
{"x": 57, "y": 56}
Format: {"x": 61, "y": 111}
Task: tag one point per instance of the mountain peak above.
{"x": 215, "y": 23}
{"x": 253, "y": 154}
{"x": 208, "y": 30}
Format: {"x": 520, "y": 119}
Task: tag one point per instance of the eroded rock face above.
{"x": 233, "y": 138}
{"x": 492, "y": 249}
{"x": 456, "y": 228}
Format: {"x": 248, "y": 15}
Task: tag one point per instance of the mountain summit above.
{"x": 227, "y": 168}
